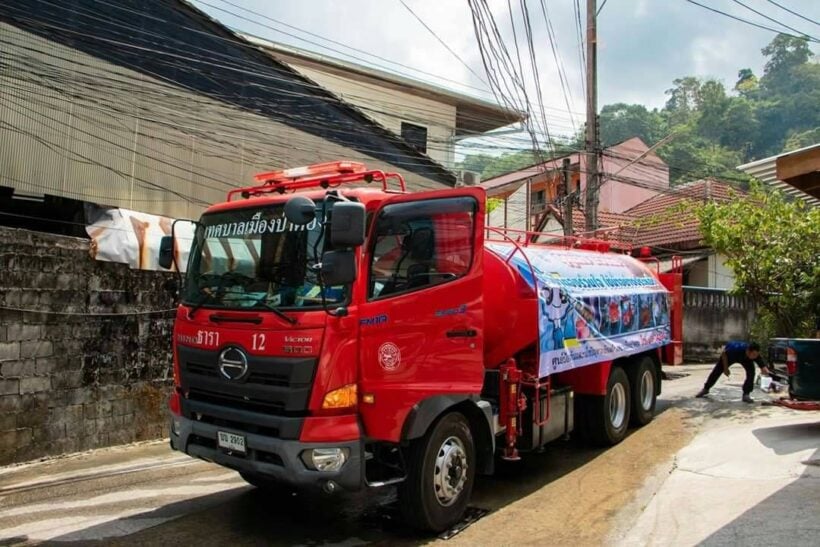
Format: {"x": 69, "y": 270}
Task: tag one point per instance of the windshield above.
{"x": 254, "y": 257}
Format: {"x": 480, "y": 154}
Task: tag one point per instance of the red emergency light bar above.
{"x": 318, "y": 175}
{"x": 293, "y": 174}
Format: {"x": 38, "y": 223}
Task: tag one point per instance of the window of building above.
{"x": 415, "y": 135}
{"x": 418, "y": 244}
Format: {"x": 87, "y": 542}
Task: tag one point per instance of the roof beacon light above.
{"x": 330, "y": 168}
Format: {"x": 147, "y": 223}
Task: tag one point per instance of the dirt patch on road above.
{"x": 581, "y": 506}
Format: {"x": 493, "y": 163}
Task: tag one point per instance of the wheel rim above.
{"x": 647, "y": 389}
{"x": 450, "y": 474}
{"x": 617, "y": 406}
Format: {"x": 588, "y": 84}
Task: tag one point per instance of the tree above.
{"x": 773, "y": 247}
{"x": 747, "y": 83}
{"x": 492, "y": 166}
{"x": 785, "y": 53}
{"x": 739, "y": 126}
{"x": 621, "y": 121}
{"x": 711, "y": 105}
{"x": 683, "y": 100}
{"x": 802, "y": 139}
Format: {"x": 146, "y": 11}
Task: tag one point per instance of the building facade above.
{"x": 430, "y": 118}
{"x": 156, "y": 107}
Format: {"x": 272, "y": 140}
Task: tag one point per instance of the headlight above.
{"x": 344, "y": 397}
{"x": 325, "y": 459}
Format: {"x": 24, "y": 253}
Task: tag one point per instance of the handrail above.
{"x": 570, "y": 242}
{"x": 319, "y": 181}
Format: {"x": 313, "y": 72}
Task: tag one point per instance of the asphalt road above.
{"x": 147, "y": 495}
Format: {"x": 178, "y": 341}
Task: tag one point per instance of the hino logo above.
{"x": 233, "y": 363}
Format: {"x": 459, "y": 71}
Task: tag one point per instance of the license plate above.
{"x": 229, "y": 441}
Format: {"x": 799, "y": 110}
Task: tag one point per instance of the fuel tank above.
{"x": 510, "y": 302}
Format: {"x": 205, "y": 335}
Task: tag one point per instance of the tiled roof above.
{"x": 621, "y": 236}
{"x": 658, "y": 221}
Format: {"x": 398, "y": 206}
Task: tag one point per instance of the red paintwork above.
{"x": 588, "y": 380}
{"x": 430, "y": 362}
{"x": 510, "y": 318}
{"x": 492, "y": 299}
{"x": 673, "y": 281}
{"x": 330, "y": 429}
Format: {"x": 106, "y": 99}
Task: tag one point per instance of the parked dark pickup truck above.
{"x": 801, "y": 357}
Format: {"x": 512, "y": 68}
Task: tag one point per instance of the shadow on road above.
{"x": 248, "y": 516}
{"x": 791, "y": 513}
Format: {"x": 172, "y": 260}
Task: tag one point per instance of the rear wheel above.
{"x": 441, "y": 470}
{"x": 607, "y": 417}
{"x": 643, "y": 381}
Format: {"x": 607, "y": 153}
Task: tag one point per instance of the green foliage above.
{"x": 621, "y": 121}
{"x": 714, "y": 130}
{"x": 491, "y": 166}
{"x": 773, "y": 247}
{"x": 493, "y": 204}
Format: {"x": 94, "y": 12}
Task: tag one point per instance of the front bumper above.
{"x": 278, "y": 459}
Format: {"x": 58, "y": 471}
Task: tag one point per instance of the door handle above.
{"x": 462, "y": 333}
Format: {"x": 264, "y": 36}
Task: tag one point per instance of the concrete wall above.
{"x": 712, "y": 317}
{"x": 76, "y": 382}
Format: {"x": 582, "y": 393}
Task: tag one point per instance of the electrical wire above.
{"x": 442, "y": 42}
{"x": 258, "y": 15}
{"x": 784, "y": 25}
{"x": 88, "y": 314}
{"x": 736, "y": 18}
{"x": 307, "y": 95}
{"x": 793, "y": 12}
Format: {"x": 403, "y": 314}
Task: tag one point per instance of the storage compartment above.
{"x": 561, "y": 418}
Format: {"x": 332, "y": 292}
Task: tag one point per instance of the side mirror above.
{"x": 166, "y": 252}
{"x": 338, "y": 268}
{"x": 300, "y": 210}
{"x": 347, "y": 224}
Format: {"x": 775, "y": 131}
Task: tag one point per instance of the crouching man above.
{"x": 745, "y": 353}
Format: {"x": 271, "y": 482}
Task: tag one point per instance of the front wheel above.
{"x": 607, "y": 417}
{"x": 440, "y": 475}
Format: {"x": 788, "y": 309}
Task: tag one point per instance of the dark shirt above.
{"x": 736, "y": 353}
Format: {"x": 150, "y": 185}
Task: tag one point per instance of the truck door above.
{"x": 422, "y": 324}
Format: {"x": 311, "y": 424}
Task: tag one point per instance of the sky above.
{"x": 643, "y": 45}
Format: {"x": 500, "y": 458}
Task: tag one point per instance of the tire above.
{"x": 430, "y": 498}
{"x": 607, "y": 417}
{"x": 643, "y": 380}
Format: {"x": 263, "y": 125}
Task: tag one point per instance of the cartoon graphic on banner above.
{"x": 592, "y": 307}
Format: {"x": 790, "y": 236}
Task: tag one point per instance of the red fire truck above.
{"x": 337, "y": 336}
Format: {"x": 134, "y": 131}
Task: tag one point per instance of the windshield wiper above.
{"x": 208, "y": 298}
{"x": 276, "y": 311}
{"x": 268, "y": 306}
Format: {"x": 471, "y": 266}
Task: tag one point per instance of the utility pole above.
{"x": 567, "y": 197}
{"x": 592, "y": 145}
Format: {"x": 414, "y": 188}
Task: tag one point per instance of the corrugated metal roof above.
{"x": 765, "y": 171}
